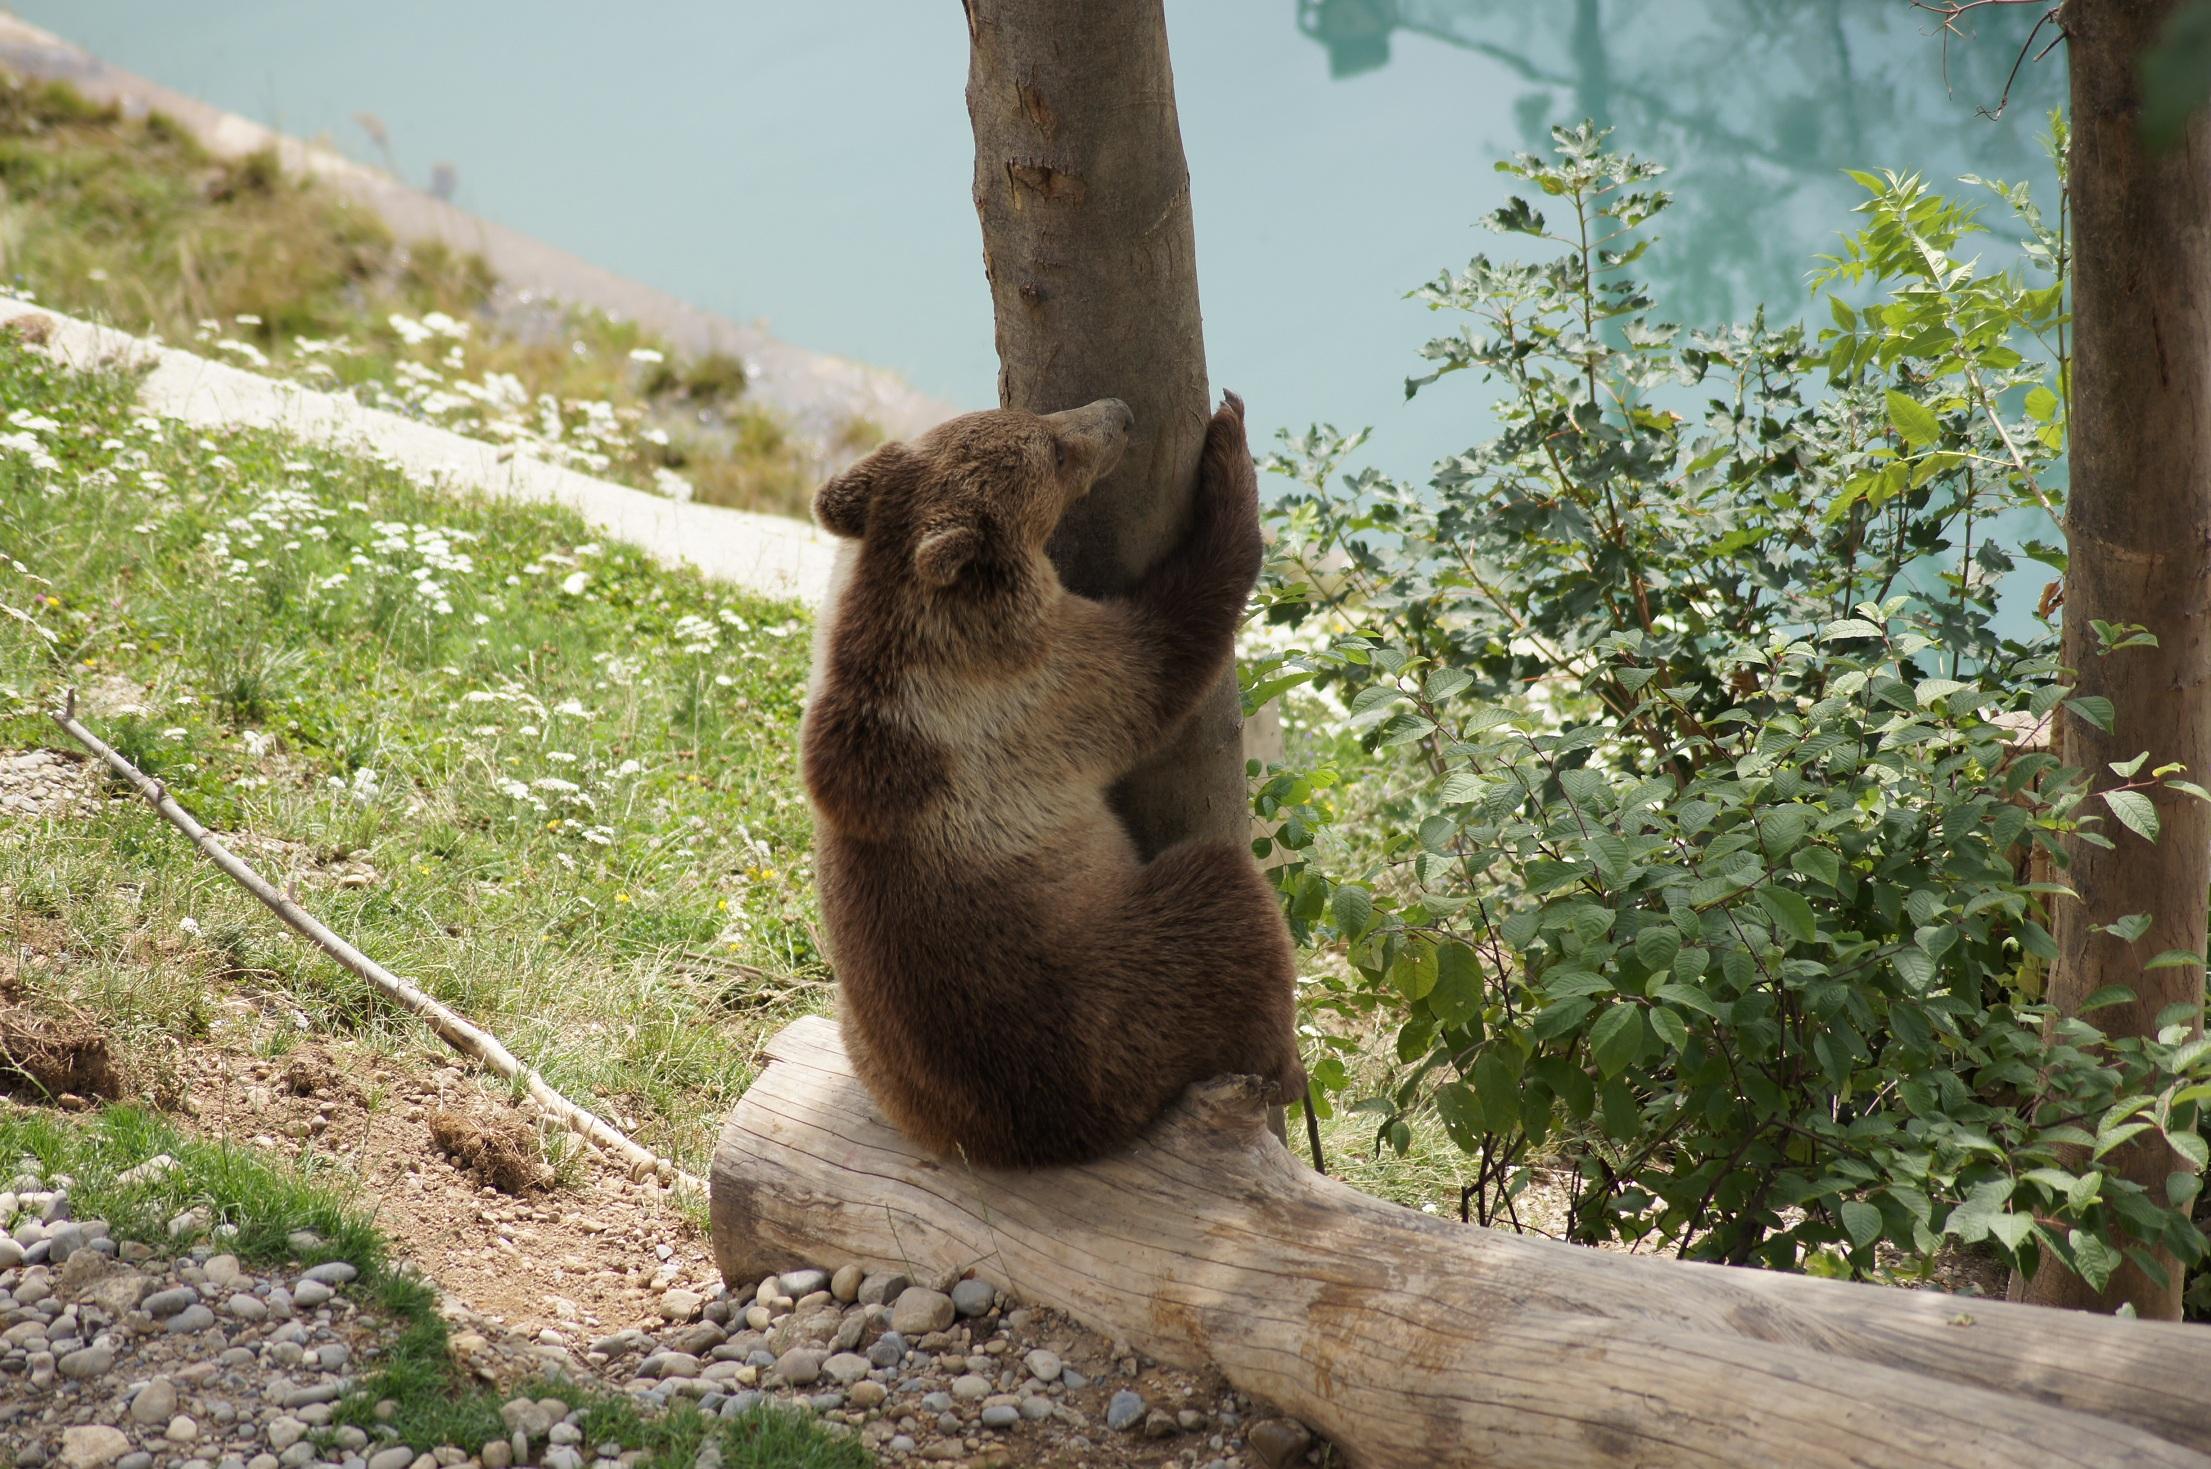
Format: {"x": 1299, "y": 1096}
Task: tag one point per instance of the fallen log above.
{"x": 1416, "y": 1341}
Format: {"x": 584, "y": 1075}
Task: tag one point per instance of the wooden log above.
{"x": 1411, "y": 1340}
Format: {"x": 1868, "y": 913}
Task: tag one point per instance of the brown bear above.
{"x": 1017, "y": 987}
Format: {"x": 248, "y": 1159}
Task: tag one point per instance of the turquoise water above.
{"x": 808, "y": 163}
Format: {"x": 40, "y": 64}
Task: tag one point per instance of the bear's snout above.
{"x": 1094, "y": 436}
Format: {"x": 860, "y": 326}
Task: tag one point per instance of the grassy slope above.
{"x": 573, "y": 771}
{"x": 264, "y": 1201}
{"x": 131, "y": 222}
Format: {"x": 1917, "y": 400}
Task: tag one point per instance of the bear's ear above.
{"x": 842, "y": 505}
{"x": 943, "y": 553}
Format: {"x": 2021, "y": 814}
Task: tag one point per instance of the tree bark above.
{"x": 1084, "y": 200}
{"x": 1416, "y": 1341}
{"x": 2140, "y": 532}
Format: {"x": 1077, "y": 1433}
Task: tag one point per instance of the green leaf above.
{"x": 1414, "y": 973}
{"x": 1913, "y": 419}
{"x": 1461, "y": 1112}
{"x": 2094, "y": 708}
{"x": 2176, "y": 959}
{"x": 1499, "y": 1088}
{"x": 2093, "y": 1259}
{"x": 1457, "y": 996}
{"x": 1818, "y": 863}
{"x": 2129, "y": 928}
{"x": 1916, "y": 968}
{"x": 1790, "y": 913}
{"x": 1657, "y": 945}
{"x": 2134, "y": 811}
{"x": 1862, "y": 1220}
{"x": 1354, "y": 910}
{"x": 1669, "y": 1027}
{"x": 1617, "y": 1038}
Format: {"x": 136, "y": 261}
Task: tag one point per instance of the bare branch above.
{"x": 458, "y": 1033}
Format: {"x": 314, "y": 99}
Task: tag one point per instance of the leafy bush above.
{"x": 1699, "y": 824}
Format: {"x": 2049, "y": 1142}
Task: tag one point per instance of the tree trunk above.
{"x": 1087, "y": 241}
{"x": 2140, "y": 533}
{"x": 1416, "y": 1341}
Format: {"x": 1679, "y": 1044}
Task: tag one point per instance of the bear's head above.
{"x": 979, "y": 492}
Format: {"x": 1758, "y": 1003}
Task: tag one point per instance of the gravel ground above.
{"x": 113, "y": 1353}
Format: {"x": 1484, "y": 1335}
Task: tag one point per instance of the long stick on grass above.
{"x": 462, "y": 1036}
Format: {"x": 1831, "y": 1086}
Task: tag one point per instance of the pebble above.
{"x": 920, "y": 1311}
{"x": 973, "y": 1297}
{"x": 846, "y": 1368}
{"x": 1001, "y": 1415}
{"x": 399, "y": 1456}
{"x": 182, "y": 1429}
{"x": 1043, "y": 1365}
{"x": 1279, "y": 1442}
{"x": 1124, "y": 1410}
{"x": 247, "y": 1308}
{"x": 882, "y": 1290}
{"x": 864, "y": 1394}
{"x": 168, "y": 1302}
{"x": 681, "y": 1305}
{"x": 92, "y": 1446}
{"x": 845, "y": 1284}
{"x": 333, "y": 1272}
{"x": 799, "y": 1366}
{"x": 195, "y": 1317}
{"x": 309, "y": 1294}
{"x": 86, "y": 1362}
{"x": 156, "y": 1402}
{"x": 799, "y": 1284}
{"x": 970, "y": 1387}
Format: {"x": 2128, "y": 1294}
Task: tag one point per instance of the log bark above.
{"x": 1415, "y": 1341}
{"x": 1084, "y": 200}
{"x": 2139, "y": 529}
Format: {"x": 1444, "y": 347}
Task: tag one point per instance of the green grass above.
{"x": 130, "y": 221}
{"x": 264, "y": 1201}
{"x": 573, "y": 772}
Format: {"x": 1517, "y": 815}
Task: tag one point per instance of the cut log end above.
{"x": 1412, "y": 1340}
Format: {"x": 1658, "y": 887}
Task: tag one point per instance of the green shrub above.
{"x": 1694, "y": 794}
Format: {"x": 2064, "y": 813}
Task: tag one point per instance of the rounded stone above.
{"x": 1001, "y": 1415}
{"x": 194, "y": 1317}
{"x": 800, "y": 1366}
{"x": 845, "y": 1284}
{"x": 798, "y": 1284}
{"x": 882, "y": 1290}
{"x": 247, "y": 1308}
{"x": 182, "y": 1429}
{"x": 1279, "y": 1442}
{"x": 92, "y": 1446}
{"x": 156, "y": 1402}
{"x": 920, "y": 1311}
{"x": 865, "y": 1394}
{"x": 168, "y": 1302}
{"x": 398, "y": 1456}
{"x": 970, "y": 1387}
{"x": 1124, "y": 1410}
{"x": 284, "y": 1432}
{"x": 86, "y": 1362}
{"x": 846, "y": 1368}
{"x": 1036, "y": 1409}
{"x": 973, "y": 1297}
{"x": 1043, "y": 1365}
{"x": 309, "y": 1294}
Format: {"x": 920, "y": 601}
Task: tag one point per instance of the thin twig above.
{"x": 458, "y": 1033}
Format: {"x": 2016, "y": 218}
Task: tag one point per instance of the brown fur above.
{"x": 1018, "y": 988}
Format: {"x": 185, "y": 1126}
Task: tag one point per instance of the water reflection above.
{"x": 1758, "y": 104}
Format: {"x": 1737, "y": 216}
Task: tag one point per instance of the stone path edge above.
{"x": 769, "y": 555}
